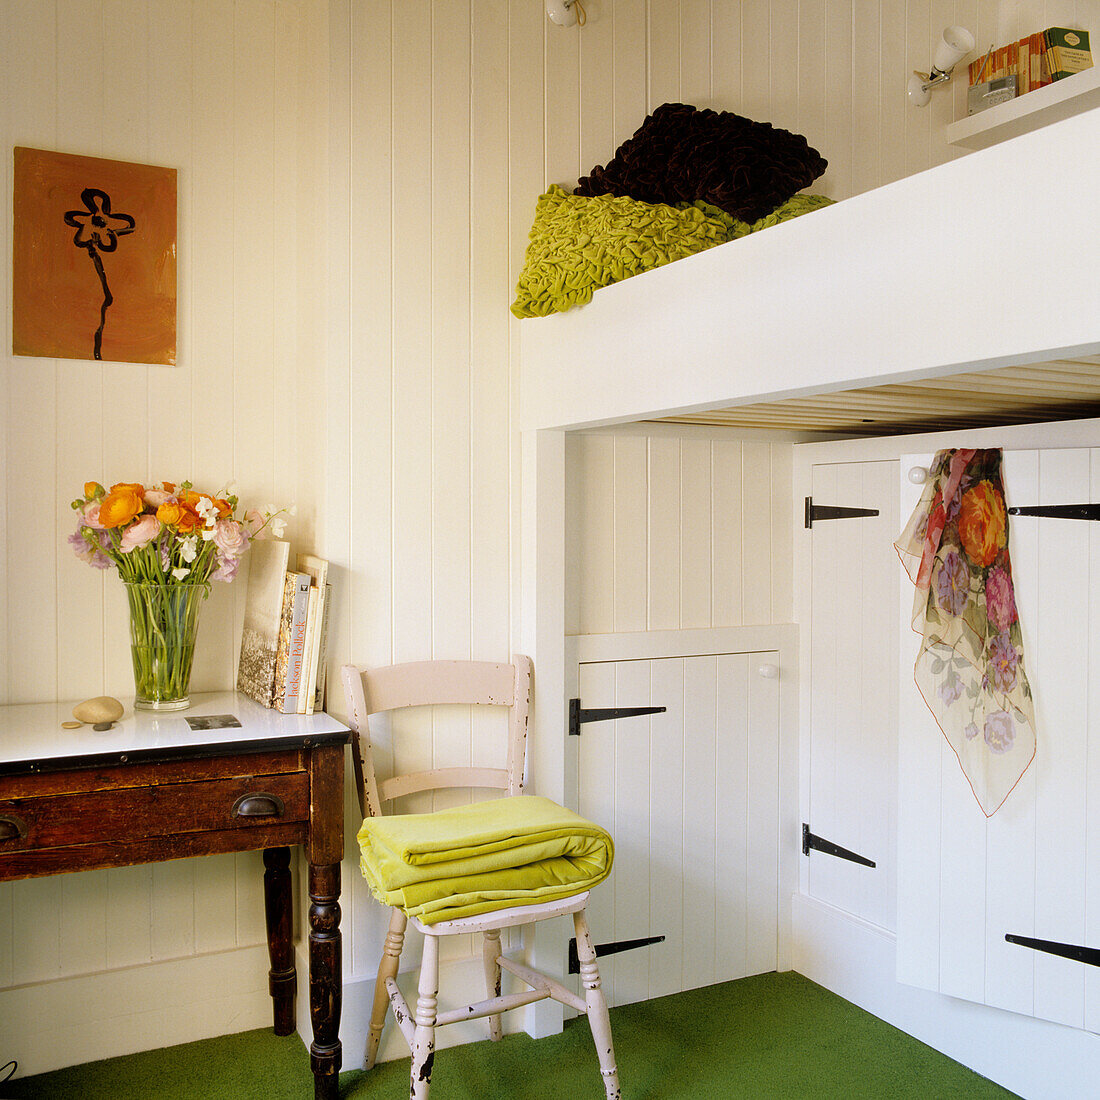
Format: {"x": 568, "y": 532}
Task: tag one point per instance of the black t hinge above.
{"x": 1059, "y": 511}
{"x": 578, "y": 715}
{"x": 609, "y": 949}
{"x": 1090, "y": 955}
{"x": 815, "y": 512}
{"x": 817, "y": 844}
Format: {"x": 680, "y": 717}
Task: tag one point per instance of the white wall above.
{"x": 676, "y": 528}
{"x": 227, "y": 95}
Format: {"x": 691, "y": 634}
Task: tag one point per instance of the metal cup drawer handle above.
{"x": 258, "y": 805}
{"x": 12, "y": 828}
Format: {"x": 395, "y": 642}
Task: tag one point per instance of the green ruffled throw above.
{"x": 478, "y": 858}
{"x": 579, "y": 244}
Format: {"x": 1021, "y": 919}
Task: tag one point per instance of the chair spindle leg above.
{"x": 387, "y": 968}
{"x": 491, "y": 953}
{"x": 598, "y": 1019}
{"x": 423, "y": 1049}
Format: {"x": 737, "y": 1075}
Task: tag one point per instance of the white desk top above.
{"x": 32, "y": 738}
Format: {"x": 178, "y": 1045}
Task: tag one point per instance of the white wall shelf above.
{"x": 1062, "y": 99}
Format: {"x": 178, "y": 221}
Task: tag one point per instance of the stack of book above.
{"x": 285, "y": 638}
{"x": 1036, "y": 60}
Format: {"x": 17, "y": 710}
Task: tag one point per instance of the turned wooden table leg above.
{"x": 282, "y": 978}
{"x": 326, "y": 849}
{"x": 324, "y": 977}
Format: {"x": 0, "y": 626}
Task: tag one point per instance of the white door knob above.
{"x": 918, "y": 475}
{"x": 768, "y": 672}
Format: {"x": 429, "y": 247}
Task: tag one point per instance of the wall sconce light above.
{"x": 955, "y": 44}
{"x": 566, "y": 12}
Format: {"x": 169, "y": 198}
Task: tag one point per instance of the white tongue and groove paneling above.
{"x": 853, "y": 647}
{"x": 692, "y": 799}
{"x": 965, "y": 881}
{"x": 675, "y": 532}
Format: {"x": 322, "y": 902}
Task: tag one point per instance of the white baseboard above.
{"x": 52, "y": 1024}
{"x": 1036, "y": 1059}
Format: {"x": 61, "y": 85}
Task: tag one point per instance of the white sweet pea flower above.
{"x": 206, "y": 509}
{"x": 180, "y": 573}
{"x": 277, "y": 526}
{"x": 189, "y": 549}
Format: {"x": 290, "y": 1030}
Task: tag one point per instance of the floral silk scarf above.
{"x": 970, "y": 668}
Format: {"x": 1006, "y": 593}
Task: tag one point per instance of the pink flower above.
{"x": 154, "y": 498}
{"x": 1000, "y": 602}
{"x": 88, "y": 551}
{"x": 226, "y": 570}
{"x": 1003, "y": 661}
{"x": 139, "y": 534}
{"x": 255, "y": 520}
{"x": 1000, "y": 733}
{"x": 230, "y": 538}
{"x": 91, "y": 516}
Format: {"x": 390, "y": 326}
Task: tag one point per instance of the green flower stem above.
{"x": 164, "y": 621}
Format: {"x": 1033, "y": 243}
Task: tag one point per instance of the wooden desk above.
{"x": 154, "y": 788}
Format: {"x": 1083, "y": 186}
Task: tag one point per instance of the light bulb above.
{"x": 955, "y": 44}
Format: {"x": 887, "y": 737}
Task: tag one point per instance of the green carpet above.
{"x": 773, "y": 1035}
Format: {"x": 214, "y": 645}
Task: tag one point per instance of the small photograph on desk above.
{"x": 213, "y": 722}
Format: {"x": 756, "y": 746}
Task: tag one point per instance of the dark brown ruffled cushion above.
{"x": 682, "y": 154}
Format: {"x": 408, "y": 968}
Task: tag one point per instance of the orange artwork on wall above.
{"x": 94, "y": 259}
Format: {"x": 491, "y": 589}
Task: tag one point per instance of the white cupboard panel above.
{"x": 853, "y": 644}
{"x": 966, "y": 881}
{"x": 691, "y": 797}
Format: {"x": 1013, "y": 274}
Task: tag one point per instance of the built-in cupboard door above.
{"x": 853, "y": 687}
{"x": 691, "y": 796}
{"x": 1031, "y": 870}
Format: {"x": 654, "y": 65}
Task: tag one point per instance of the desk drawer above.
{"x": 139, "y": 813}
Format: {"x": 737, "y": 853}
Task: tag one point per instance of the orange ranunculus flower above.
{"x": 191, "y": 499}
{"x": 93, "y": 489}
{"x": 190, "y": 520}
{"x": 121, "y": 505}
{"x": 168, "y": 486}
{"x": 179, "y": 515}
{"x": 169, "y": 513}
{"x": 982, "y": 523}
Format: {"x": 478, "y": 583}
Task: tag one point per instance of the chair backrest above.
{"x": 428, "y": 683}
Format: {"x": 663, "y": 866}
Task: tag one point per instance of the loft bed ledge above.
{"x": 987, "y": 260}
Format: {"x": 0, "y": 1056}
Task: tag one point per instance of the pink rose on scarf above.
{"x": 1000, "y": 602}
{"x": 1003, "y": 659}
{"x": 139, "y": 534}
{"x": 1000, "y": 733}
{"x": 952, "y": 583}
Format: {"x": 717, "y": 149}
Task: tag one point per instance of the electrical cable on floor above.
{"x": 11, "y": 1067}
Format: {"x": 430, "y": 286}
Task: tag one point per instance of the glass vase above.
{"x": 164, "y": 621}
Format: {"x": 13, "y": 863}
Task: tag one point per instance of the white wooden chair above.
{"x": 370, "y": 691}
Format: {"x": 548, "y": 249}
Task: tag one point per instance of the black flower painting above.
{"x": 65, "y": 212}
{"x": 98, "y": 230}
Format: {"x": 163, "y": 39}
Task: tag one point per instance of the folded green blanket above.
{"x": 485, "y": 856}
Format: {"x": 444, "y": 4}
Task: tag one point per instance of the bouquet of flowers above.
{"x": 168, "y": 544}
